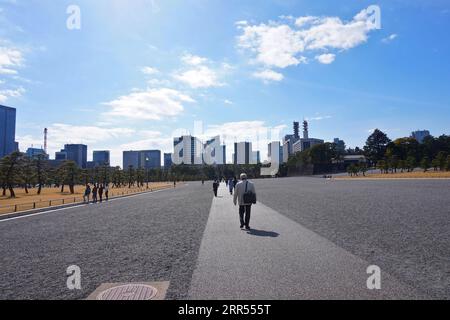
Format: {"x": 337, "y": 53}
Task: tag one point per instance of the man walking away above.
{"x": 245, "y": 196}
{"x": 230, "y": 186}
{"x": 87, "y": 194}
{"x": 107, "y": 192}
{"x": 94, "y": 194}
{"x": 100, "y": 193}
{"x": 215, "y": 187}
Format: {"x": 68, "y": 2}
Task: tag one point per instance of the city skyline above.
{"x": 130, "y": 87}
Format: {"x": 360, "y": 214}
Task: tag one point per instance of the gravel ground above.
{"x": 152, "y": 237}
{"x": 403, "y": 226}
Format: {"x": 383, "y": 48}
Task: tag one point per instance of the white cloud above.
{"x": 199, "y": 77}
{"x": 6, "y": 94}
{"x": 229, "y": 102}
{"x": 301, "y": 21}
{"x": 274, "y": 45}
{"x": 268, "y": 75}
{"x": 200, "y": 72}
{"x": 326, "y": 58}
{"x": 390, "y": 38}
{"x": 10, "y": 60}
{"x": 150, "y": 104}
{"x": 286, "y": 43}
{"x": 318, "y": 118}
{"x": 60, "y": 134}
{"x": 193, "y": 60}
{"x": 149, "y": 70}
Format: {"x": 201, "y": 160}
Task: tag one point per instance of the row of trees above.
{"x": 18, "y": 170}
{"x": 404, "y": 154}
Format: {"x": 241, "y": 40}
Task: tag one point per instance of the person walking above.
{"x": 235, "y": 182}
{"x": 215, "y": 187}
{"x": 87, "y": 194}
{"x": 230, "y": 186}
{"x": 107, "y": 192}
{"x": 94, "y": 194}
{"x": 245, "y": 197}
{"x": 100, "y": 192}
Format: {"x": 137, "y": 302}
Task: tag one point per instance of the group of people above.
{"x": 244, "y": 195}
{"x": 97, "y": 192}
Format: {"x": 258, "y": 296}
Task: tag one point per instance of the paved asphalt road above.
{"x": 403, "y": 226}
{"x": 307, "y": 224}
{"x": 151, "y": 237}
{"x": 279, "y": 259}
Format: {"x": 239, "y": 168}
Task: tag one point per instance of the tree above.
{"x": 403, "y": 165}
{"x": 70, "y": 174}
{"x": 376, "y": 145}
{"x": 10, "y": 166}
{"x": 363, "y": 168}
{"x": 425, "y": 164}
{"x": 435, "y": 164}
{"x": 41, "y": 171}
{"x": 27, "y": 172}
{"x": 381, "y": 165}
{"x": 441, "y": 159}
{"x": 411, "y": 163}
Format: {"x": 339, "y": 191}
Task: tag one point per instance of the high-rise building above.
{"x": 278, "y": 147}
{"x": 130, "y": 159}
{"x": 7, "y": 131}
{"x": 35, "y": 152}
{"x": 76, "y": 153}
{"x": 306, "y": 142}
{"x": 167, "y": 161}
{"x": 218, "y": 152}
{"x": 243, "y": 153}
{"x": 340, "y": 145}
{"x": 420, "y": 135}
{"x": 144, "y": 159}
{"x": 101, "y": 158}
{"x": 187, "y": 150}
{"x": 296, "y": 130}
{"x": 150, "y": 159}
{"x": 61, "y": 155}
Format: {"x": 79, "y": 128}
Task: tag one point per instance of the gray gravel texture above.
{"x": 152, "y": 237}
{"x": 403, "y": 226}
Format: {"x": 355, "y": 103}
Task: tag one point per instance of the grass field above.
{"x": 403, "y": 175}
{"x": 53, "y": 197}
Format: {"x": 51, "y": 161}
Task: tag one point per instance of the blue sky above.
{"x": 140, "y": 71}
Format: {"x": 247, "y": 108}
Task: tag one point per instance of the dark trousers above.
{"x": 245, "y": 221}
{"x": 215, "y": 192}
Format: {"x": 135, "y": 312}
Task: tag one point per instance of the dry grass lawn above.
{"x": 405, "y": 175}
{"x": 32, "y": 200}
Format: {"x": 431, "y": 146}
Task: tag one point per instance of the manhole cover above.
{"x": 129, "y": 292}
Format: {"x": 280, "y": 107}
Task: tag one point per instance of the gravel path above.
{"x": 152, "y": 237}
{"x": 403, "y": 226}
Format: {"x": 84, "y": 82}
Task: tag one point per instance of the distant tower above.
{"x": 305, "y": 130}
{"x": 45, "y": 140}
{"x": 296, "y": 130}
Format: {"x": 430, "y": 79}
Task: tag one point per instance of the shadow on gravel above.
{"x": 262, "y": 233}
